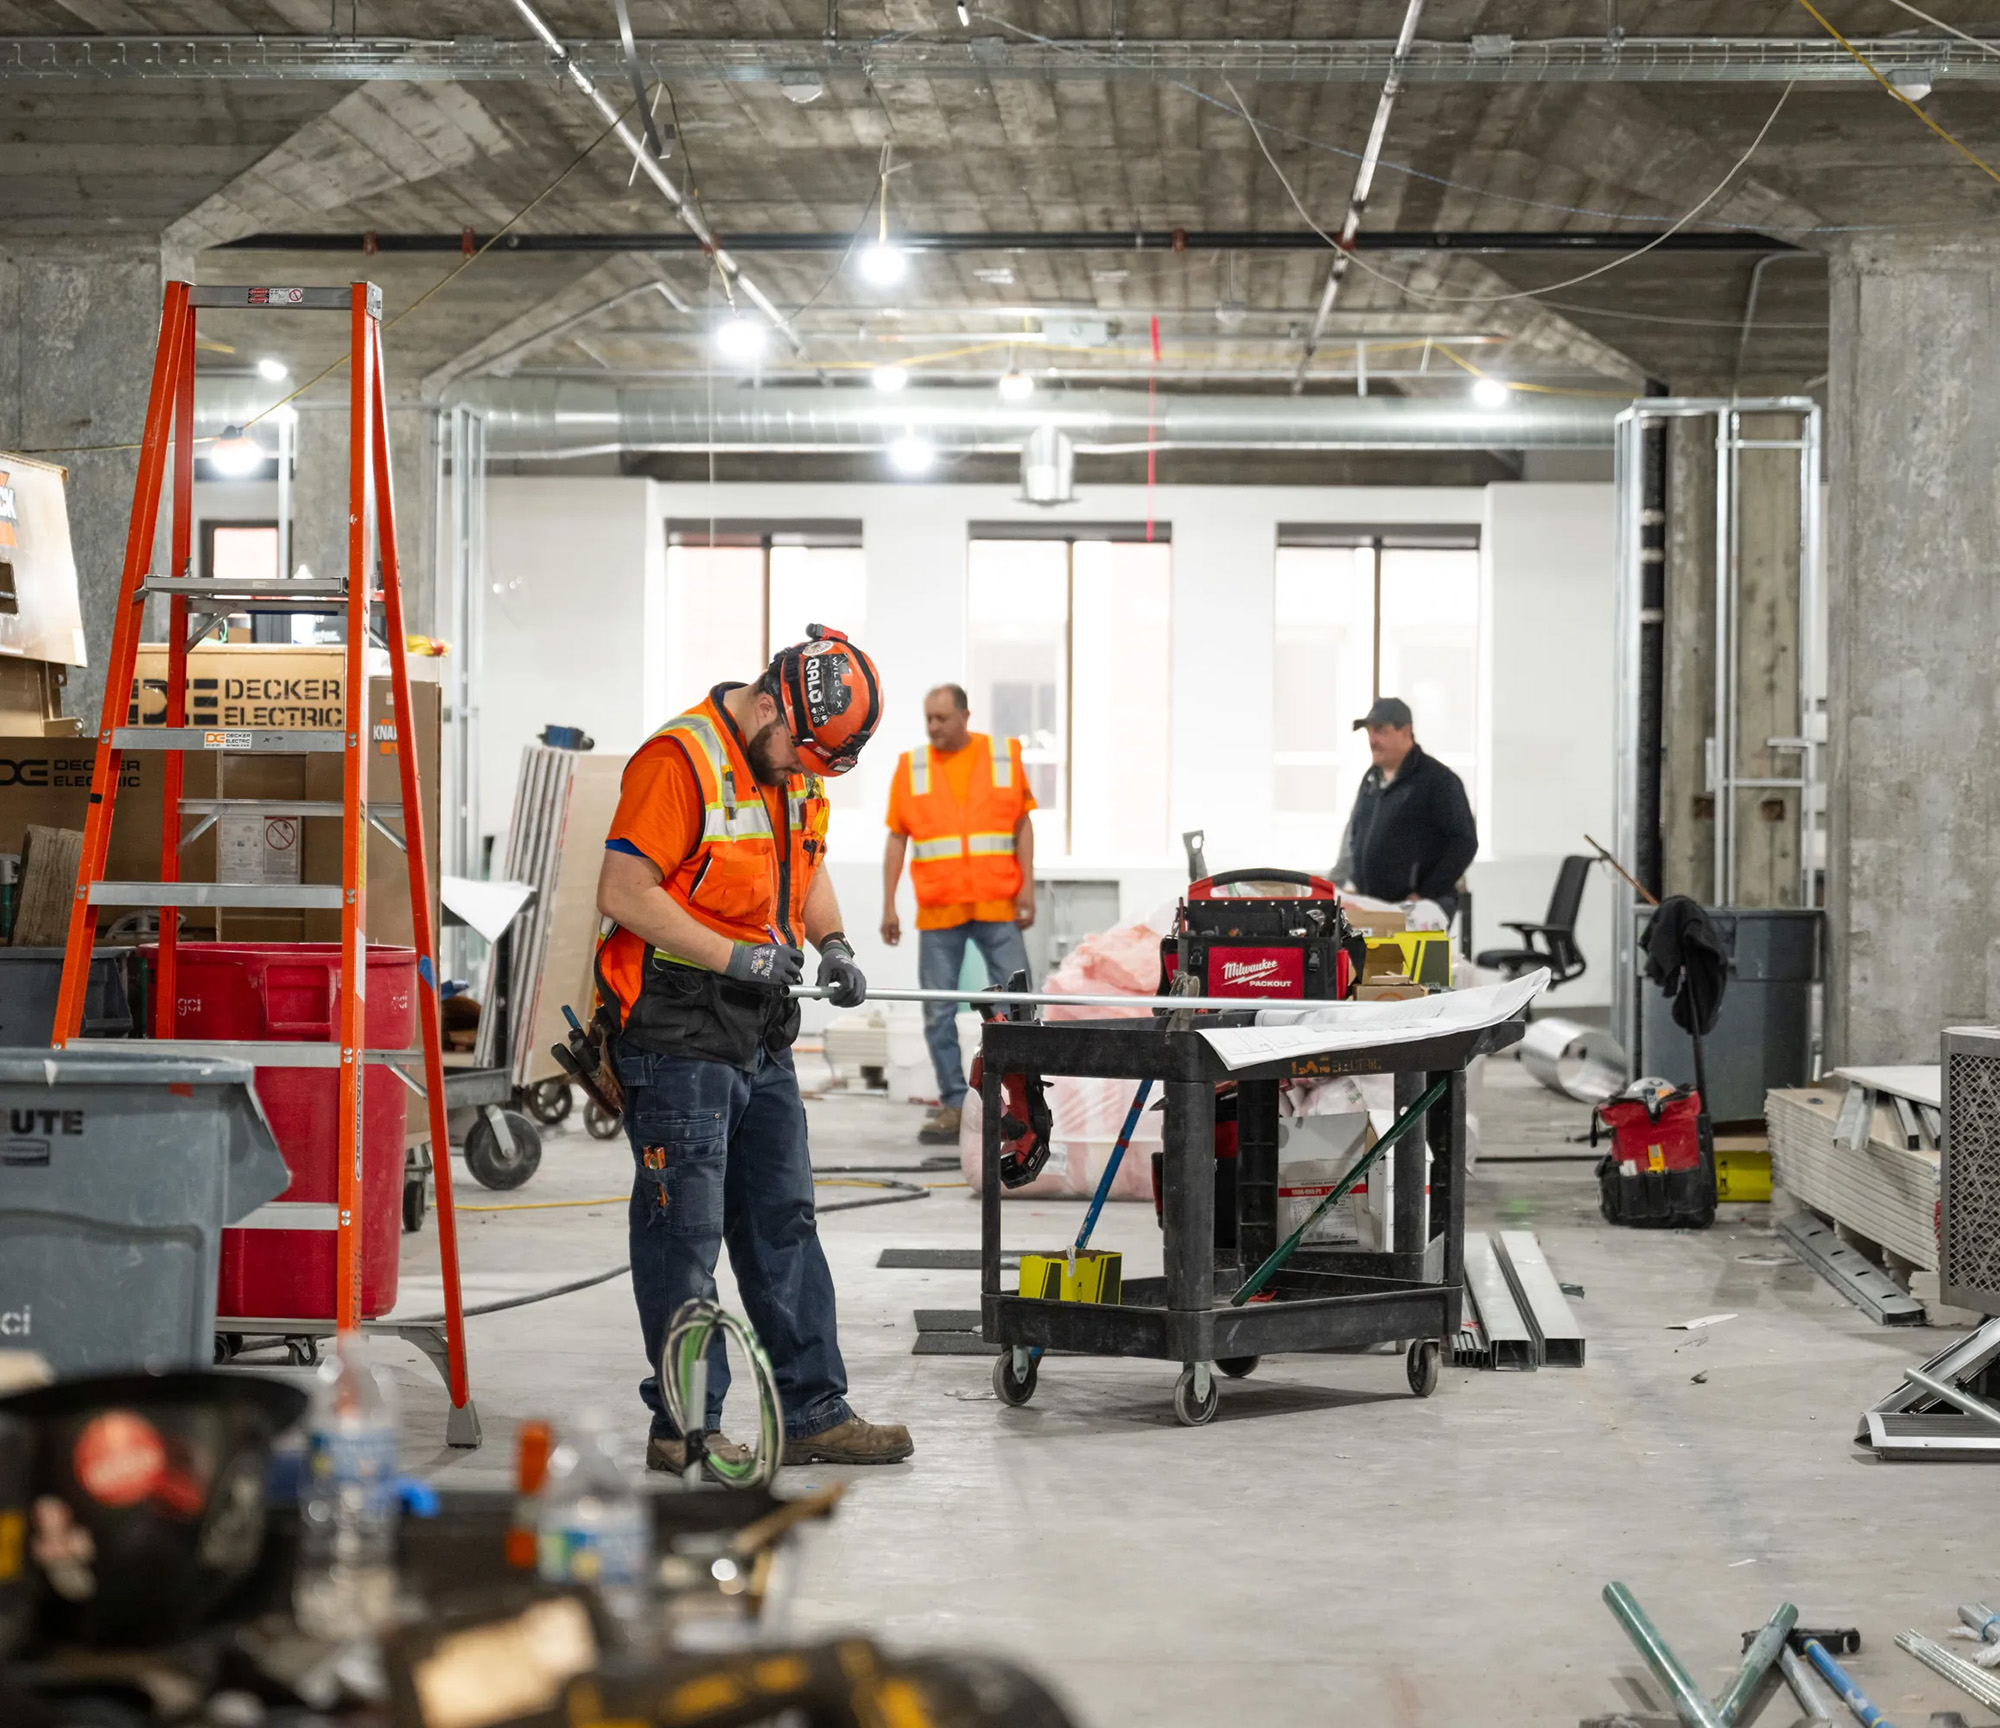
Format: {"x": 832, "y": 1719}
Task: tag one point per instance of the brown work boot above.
{"x": 671, "y": 1456}
{"x": 853, "y": 1442}
{"x": 940, "y": 1127}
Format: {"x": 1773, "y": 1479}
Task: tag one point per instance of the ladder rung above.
{"x": 248, "y": 588}
{"x": 280, "y": 740}
{"x": 284, "y": 896}
{"x": 282, "y": 807}
{"x": 259, "y": 1052}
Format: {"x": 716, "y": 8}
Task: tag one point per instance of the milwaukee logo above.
{"x": 1248, "y": 971}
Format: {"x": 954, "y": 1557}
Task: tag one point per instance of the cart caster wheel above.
{"x": 1190, "y": 1412}
{"x": 492, "y": 1164}
{"x": 302, "y": 1352}
{"x": 601, "y": 1123}
{"x": 549, "y": 1102}
{"x": 1014, "y": 1389}
{"x": 1423, "y": 1364}
{"x": 1239, "y": 1367}
{"x": 415, "y": 1203}
{"x": 228, "y": 1346}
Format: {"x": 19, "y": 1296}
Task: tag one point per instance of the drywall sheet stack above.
{"x": 563, "y": 805}
{"x": 1888, "y": 1194}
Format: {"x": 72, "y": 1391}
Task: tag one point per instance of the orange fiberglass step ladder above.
{"x": 371, "y": 528}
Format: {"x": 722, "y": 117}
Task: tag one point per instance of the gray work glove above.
{"x": 774, "y": 965}
{"x": 839, "y": 977}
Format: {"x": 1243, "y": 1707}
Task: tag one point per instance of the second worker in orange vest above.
{"x": 958, "y": 809}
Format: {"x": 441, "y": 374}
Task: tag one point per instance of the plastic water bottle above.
{"x": 594, "y": 1527}
{"x": 348, "y": 1503}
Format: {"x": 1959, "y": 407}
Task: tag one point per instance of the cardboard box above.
{"x": 245, "y": 684}
{"x": 48, "y": 782}
{"x": 41, "y": 617}
{"x": 1374, "y": 920}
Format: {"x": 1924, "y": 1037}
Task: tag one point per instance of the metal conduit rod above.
{"x": 1364, "y": 179}
{"x": 732, "y": 272}
{"x": 1032, "y": 999}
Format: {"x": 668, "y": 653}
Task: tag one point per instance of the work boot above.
{"x": 671, "y": 1456}
{"x": 940, "y": 1127}
{"x": 853, "y": 1442}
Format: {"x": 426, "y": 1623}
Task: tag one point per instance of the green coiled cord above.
{"x": 684, "y": 1387}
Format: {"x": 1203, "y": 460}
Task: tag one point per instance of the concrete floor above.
{"x": 1329, "y": 1542}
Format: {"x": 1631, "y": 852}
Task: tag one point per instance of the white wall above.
{"x": 577, "y": 567}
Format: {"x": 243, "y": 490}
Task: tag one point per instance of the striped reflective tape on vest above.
{"x": 989, "y": 845}
{"x": 920, "y": 772}
{"x": 931, "y": 851}
{"x": 737, "y": 822}
{"x": 725, "y": 819}
{"x": 1003, "y": 765}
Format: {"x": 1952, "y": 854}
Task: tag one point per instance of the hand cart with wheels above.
{"x": 485, "y": 1112}
{"x": 1218, "y": 1232}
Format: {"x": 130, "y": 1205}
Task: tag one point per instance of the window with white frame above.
{"x": 1069, "y": 650}
{"x": 1361, "y": 614}
{"x": 738, "y": 592}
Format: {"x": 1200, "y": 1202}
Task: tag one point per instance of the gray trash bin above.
{"x": 117, "y": 1173}
{"x": 31, "y": 981}
{"x": 1763, "y": 1037}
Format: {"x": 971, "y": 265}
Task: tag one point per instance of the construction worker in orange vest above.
{"x": 712, "y": 879}
{"x": 959, "y": 809}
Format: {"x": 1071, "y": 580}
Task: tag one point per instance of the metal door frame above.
{"x": 1724, "y": 779}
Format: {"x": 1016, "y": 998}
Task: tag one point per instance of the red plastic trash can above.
{"x": 291, "y": 990}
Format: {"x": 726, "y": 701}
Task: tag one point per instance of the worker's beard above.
{"x": 762, "y": 753}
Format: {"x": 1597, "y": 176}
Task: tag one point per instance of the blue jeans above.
{"x": 940, "y": 958}
{"x": 720, "y": 1156}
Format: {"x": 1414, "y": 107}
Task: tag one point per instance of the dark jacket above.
{"x": 1414, "y": 836}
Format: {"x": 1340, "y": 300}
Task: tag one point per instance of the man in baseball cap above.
{"x": 1411, "y": 834}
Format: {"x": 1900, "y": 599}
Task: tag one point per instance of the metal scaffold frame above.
{"x": 1725, "y": 776}
{"x": 371, "y": 549}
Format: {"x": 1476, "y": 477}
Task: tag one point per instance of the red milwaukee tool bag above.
{"x": 1660, "y": 1173}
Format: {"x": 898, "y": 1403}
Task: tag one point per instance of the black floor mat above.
{"x": 947, "y": 1320}
{"x": 941, "y": 1259}
{"x": 953, "y": 1344}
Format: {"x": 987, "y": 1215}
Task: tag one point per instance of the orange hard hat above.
{"x": 830, "y": 697}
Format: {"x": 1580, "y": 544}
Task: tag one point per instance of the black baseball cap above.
{"x": 1388, "y": 711}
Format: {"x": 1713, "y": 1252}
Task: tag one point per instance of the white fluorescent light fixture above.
{"x": 889, "y": 379}
{"x": 1016, "y": 387}
{"x": 1912, "y": 83}
{"x": 997, "y": 275}
{"x": 273, "y": 370}
{"x": 236, "y": 455}
{"x": 1491, "y": 393}
{"x": 912, "y": 455}
{"x": 884, "y": 264}
{"x": 965, "y": 16}
{"x": 740, "y": 339}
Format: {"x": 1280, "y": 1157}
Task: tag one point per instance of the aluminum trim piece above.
{"x": 259, "y": 1053}
{"x": 1866, "y": 1285}
{"x": 1557, "y": 1332}
{"x": 1957, "y": 1362}
{"x": 1510, "y": 1344}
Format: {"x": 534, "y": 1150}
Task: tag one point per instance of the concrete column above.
{"x": 320, "y": 496}
{"x": 1687, "y": 812}
{"x": 1914, "y": 707}
{"x": 79, "y": 324}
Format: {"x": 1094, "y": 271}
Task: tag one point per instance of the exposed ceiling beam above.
{"x": 369, "y": 141}
{"x": 1485, "y": 59}
{"x": 593, "y": 293}
{"x": 1528, "y": 321}
{"x": 1054, "y": 240}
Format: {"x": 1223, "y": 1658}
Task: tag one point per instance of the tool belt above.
{"x": 691, "y": 1011}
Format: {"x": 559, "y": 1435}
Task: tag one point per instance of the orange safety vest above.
{"x": 740, "y": 872}
{"x": 963, "y": 854}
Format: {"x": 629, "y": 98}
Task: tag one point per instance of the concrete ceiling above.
{"x": 206, "y": 161}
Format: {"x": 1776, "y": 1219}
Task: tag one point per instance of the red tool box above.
{"x": 1261, "y": 946}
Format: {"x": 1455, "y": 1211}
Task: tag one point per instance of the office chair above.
{"x": 1556, "y": 932}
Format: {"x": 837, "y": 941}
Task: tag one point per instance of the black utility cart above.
{"x": 1220, "y": 1215}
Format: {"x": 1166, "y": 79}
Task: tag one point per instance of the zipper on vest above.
{"x": 785, "y": 872}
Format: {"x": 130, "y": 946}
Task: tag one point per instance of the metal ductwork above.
{"x": 552, "y": 420}
{"x": 536, "y": 419}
